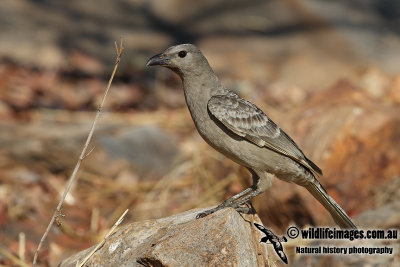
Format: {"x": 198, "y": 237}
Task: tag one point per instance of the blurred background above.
{"x": 328, "y": 72}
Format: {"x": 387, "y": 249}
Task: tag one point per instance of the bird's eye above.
{"x": 182, "y": 54}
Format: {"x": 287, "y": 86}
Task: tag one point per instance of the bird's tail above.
{"x": 337, "y": 213}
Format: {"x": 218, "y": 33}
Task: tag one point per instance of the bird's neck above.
{"x": 198, "y": 89}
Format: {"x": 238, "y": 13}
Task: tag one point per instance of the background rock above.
{"x": 344, "y": 128}
{"x": 147, "y": 149}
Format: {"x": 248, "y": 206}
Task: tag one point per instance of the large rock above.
{"x": 353, "y": 137}
{"x": 145, "y": 150}
{"x": 225, "y": 238}
{"x": 148, "y": 149}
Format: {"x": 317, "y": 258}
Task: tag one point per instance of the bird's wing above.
{"x": 247, "y": 120}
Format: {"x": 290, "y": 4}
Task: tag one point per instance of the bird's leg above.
{"x": 235, "y": 197}
{"x": 262, "y": 182}
{"x": 230, "y": 202}
{"x": 259, "y": 186}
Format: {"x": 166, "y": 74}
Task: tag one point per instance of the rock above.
{"x": 374, "y": 82}
{"x": 353, "y": 137}
{"x": 385, "y": 217}
{"x": 347, "y": 128}
{"x": 394, "y": 91}
{"x": 5, "y": 112}
{"x": 145, "y": 151}
{"x": 148, "y": 149}
{"x": 225, "y": 238}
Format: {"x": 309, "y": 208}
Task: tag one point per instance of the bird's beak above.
{"x": 159, "y": 59}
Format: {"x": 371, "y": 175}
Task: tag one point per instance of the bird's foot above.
{"x": 205, "y": 213}
{"x": 245, "y": 209}
{"x": 211, "y": 211}
{"x": 241, "y": 208}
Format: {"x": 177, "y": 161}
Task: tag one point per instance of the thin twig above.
{"x": 83, "y": 153}
{"x": 90, "y": 151}
{"x": 121, "y": 218}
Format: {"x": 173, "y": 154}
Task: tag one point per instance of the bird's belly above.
{"x": 239, "y": 149}
{"x": 249, "y": 154}
{"x": 246, "y": 153}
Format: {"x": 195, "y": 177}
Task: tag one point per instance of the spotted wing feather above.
{"x": 247, "y": 120}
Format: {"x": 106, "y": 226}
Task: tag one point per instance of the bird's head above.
{"x": 183, "y": 59}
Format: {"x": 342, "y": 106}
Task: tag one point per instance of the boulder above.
{"x": 225, "y": 238}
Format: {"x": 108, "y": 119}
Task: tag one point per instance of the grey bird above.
{"x": 241, "y": 131}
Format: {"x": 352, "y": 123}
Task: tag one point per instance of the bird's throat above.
{"x": 198, "y": 90}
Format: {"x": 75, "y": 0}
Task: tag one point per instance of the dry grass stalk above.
{"x": 104, "y": 239}
{"x": 94, "y": 220}
{"x": 21, "y": 246}
{"x": 84, "y": 154}
{"x": 13, "y": 258}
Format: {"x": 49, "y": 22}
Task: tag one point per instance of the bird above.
{"x": 242, "y": 132}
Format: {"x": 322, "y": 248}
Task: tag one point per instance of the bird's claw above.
{"x": 211, "y": 211}
{"x": 239, "y": 208}
{"x": 204, "y": 213}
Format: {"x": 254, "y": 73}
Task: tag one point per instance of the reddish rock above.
{"x": 394, "y": 90}
{"x": 354, "y": 139}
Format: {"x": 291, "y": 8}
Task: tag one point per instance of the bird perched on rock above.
{"x": 241, "y": 131}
